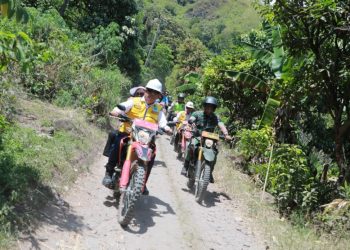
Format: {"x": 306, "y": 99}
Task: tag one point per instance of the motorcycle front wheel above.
{"x": 202, "y": 182}
{"x": 130, "y": 196}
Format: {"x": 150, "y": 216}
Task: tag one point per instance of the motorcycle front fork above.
{"x": 124, "y": 178}
{"x": 198, "y": 164}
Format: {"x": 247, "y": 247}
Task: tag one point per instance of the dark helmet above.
{"x": 181, "y": 95}
{"x": 210, "y": 100}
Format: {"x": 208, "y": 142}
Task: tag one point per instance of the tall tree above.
{"x": 88, "y": 14}
{"x": 320, "y": 29}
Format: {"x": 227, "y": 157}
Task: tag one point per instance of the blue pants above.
{"x": 114, "y": 152}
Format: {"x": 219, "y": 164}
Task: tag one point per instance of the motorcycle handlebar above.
{"x": 160, "y": 131}
{"x": 172, "y": 124}
{"x": 122, "y": 118}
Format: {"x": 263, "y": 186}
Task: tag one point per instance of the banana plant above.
{"x": 13, "y": 8}
{"x": 191, "y": 83}
{"x": 13, "y": 47}
{"x": 277, "y": 59}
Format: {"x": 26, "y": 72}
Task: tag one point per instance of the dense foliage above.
{"x": 283, "y": 88}
{"x": 290, "y": 77}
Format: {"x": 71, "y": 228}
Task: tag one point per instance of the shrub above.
{"x": 63, "y": 66}
{"x": 254, "y": 143}
{"x": 107, "y": 43}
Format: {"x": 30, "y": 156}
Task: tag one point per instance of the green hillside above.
{"x": 213, "y": 22}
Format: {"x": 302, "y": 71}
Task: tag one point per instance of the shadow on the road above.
{"x": 212, "y": 198}
{"x": 146, "y": 209}
{"x": 187, "y": 190}
{"x": 58, "y": 213}
{"x": 159, "y": 164}
{"x": 111, "y": 201}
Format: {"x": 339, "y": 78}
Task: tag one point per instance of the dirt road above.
{"x": 169, "y": 218}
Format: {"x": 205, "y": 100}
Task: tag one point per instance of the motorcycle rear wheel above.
{"x": 130, "y": 196}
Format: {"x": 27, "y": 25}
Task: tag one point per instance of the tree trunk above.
{"x": 343, "y": 173}
{"x": 153, "y": 44}
{"x": 64, "y": 7}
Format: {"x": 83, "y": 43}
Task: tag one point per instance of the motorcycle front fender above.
{"x": 209, "y": 154}
{"x": 144, "y": 153}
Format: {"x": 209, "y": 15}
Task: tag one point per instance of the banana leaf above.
{"x": 247, "y": 80}
{"x": 192, "y": 77}
{"x": 269, "y": 114}
{"x": 189, "y": 88}
{"x": 12, "y": 8}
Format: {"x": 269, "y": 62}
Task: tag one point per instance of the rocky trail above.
{"x": 169, "y": 218}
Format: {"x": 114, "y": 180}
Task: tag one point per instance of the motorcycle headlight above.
{"x": 143, "y": 137}
{"x": 208, "y": 143}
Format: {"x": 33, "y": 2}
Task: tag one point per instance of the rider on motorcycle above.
{"x": 205, "y": 120}
{"x": 138, "y": 91}
{"x": 144, "y": 108}
{"x": 165, "y": 101}
{"x": 181, "y": 117}
{"x": 176, "y": 107}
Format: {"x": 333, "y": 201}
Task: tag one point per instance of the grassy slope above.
{"x": 236, "y": 15}
{"x": 278, "y": 232}
{"x": 40, "y": 165}
{"x": 60, "y": 154}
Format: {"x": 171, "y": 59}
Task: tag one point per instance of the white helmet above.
{"x": 190, "y": 105}
{"x": 155, "y": 84}
{"x": 133, "y": 90}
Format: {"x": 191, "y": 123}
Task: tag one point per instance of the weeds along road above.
{"x": 169, "y": 218}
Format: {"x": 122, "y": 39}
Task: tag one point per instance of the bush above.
{"x": 289, "y": 177}
{"x": 292, "y": 180}
{"x": 63, "y": 66}
{"x": 7, "y": 100}
{"x": 107, "y": 43}
{"x": 254, "y": 143}
{"x": 15, "y": 178}
{"x": 103, "y": 89}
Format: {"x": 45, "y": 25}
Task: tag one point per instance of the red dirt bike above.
{"x": 185, "y": 135}
{"x": 140, "y": 150}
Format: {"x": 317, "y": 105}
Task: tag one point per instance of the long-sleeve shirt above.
{"x": 162, "y": 122}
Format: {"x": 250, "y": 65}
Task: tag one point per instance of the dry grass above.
{"x": 277, "y": 232}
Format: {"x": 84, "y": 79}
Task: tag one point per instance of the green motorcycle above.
{"x": 202, "y": 161}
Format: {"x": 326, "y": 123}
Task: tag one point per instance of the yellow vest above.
{"x": 139, "y": 110}
{"x": 181, "y": 119}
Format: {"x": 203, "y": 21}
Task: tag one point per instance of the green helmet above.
{"x": 210, "y": 100}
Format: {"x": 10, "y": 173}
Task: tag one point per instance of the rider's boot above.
{"x": 211, "y": 180}
{"x": 185, "y": 168}
{"x": 107, "y": 179}
{"x": 145, "y": 191}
